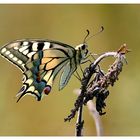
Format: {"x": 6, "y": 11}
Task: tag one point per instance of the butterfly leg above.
{"x": 77, "y": 76}
{"x": 92, "y": 55}
{"x": 85, "y": 61}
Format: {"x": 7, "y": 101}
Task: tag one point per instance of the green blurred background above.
{"x": 68, "y": 24}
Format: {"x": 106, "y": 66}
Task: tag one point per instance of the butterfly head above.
{"x": 82, "y": 49}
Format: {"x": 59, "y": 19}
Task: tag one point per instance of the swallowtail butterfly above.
{"x": 41, "y": 60}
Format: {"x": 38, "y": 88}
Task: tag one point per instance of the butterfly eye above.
{"x": 83, "y": 47}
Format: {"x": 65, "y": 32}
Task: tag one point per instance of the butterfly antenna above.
{"x": 86, "y": 36}
{"x": 101, "y": 30}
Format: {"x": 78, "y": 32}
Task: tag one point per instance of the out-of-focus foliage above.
{"x": 68, "y": 24}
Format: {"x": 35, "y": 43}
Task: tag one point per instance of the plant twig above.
{"x": 79, "y": 123}
{"x": 98, "y": 87}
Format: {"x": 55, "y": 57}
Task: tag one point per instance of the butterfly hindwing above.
{"x": 67, "y": 72}
{"x": 38, "y": 76}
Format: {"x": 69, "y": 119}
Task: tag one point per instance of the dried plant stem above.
{"x": 80, "y": 122}
{"x": 97, "y": 88}
{"x": 95, "y": 115}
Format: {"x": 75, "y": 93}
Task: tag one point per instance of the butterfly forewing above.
{"x": 40, "y": 62}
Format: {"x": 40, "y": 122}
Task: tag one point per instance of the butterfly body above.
{"x": 40, "y": 61}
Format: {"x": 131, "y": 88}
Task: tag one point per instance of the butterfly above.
{"x": 41, "y": 60}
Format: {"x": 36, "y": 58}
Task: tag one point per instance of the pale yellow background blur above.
{"x": 68, "y": 24}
